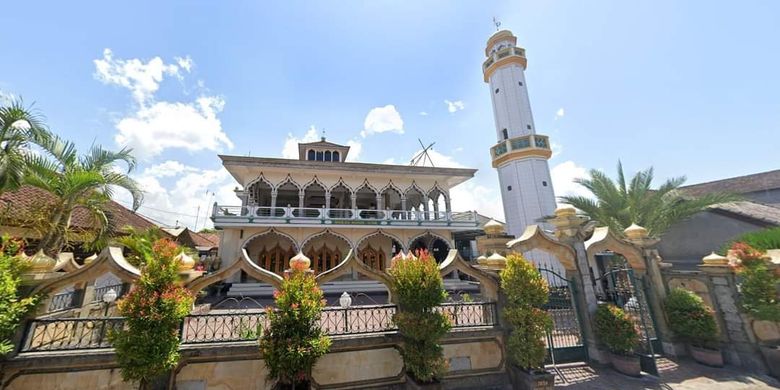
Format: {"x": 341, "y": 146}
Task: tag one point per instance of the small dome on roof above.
{"x": 494, "y": 227}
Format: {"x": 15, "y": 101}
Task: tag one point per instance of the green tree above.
{"x": 148, "y": 345}
{"x": 619, "y": 203}
{"x": 690, "y": 318}
{"x": 86, "y": 182}
{"x": 13, "y": 307}
{"x": 20, "y": 129}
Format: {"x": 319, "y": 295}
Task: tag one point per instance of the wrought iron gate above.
{"x": 564, "y": 342}
{"x": 621, "y": 286}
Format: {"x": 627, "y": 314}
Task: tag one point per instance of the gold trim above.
{"x": 522, "y": 61}
{"x": 503, "y": 34}
{"x": 521, "y": 154}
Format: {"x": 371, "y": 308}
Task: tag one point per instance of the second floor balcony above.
{"x": 224, "y": 216}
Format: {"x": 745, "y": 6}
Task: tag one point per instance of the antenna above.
{"x": 420, "y": 158}
{"x": 497, "y": 23}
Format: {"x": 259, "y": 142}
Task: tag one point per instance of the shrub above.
{"x": 616, "y": 329}
{"x": 294, "y": 340}
{"x": 758, "y": 286}
{"x": 689, "y": 318}
{"x": 761, "y": 240}
{"x": 13, "y": 307}
{"x": 418, "y": 286}
{"x": 526, "y": 292}
{"x": 148, "y": 346}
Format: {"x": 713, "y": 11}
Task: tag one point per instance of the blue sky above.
{"x": 690, "y": 88}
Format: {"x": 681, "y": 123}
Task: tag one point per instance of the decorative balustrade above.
{"x": 520, "y": 143}
{"x": 65, "y": 334}
{"x": 100, "y": 291}
{"x": 65, "y": 301}
{"x": 223, "y": 215}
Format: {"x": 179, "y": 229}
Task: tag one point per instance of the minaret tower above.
{"x": 520, "y": 155}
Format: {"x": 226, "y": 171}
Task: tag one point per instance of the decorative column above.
{"x": 353, "y": 197}
{"x": 327, "y": 199}
{"x": 403, "y": 207}
{"x": 448, "y": 205}
{"x": 274, "y": 194}
{"x": 570, "y": 229}
{"x": 301, "y": 195}
{"x": 738, "y": 341}
{"x": 425, "y": 207}
{"x": 379, "y": 202}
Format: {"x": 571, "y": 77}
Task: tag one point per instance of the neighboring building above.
{"x": 206, "y": 244}
{"x": 520, "y": 154}
{"x": 20, "y": 208}
{"x": 326, "y": 207}
{"x": 685, "y": 243}
{"x": 466, "y": 240}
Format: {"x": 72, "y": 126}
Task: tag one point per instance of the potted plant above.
{"x": 526, "y": 292}
{"x": 759, "y": 297}
{"x": 694, "y": 323}
{"x": 617, "y": 332}
{"x": 294, "y": 339}
{"x": 418, "y": 286}
{"x": 147, "y": 348}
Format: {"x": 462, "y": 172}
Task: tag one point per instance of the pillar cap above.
{"x": 41, "y": 262}
{"x": 565, "y": 211}
{"x": 186, "y": 262}
{"x": 301, "y": 259}
{"x": 715, "y": 259}
{"x": 494, "y": 227}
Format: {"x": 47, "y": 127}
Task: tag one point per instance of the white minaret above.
{"x": 520, "y": 155}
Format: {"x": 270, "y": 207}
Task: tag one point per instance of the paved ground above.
{"x": 683, "y": 374}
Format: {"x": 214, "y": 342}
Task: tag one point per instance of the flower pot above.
{"x": 626, "y": 364}
{"x": 706, "y": 356}
{"x": 772, "y": 358}
{"x": 412, "y": 383}
{"x": 530, "y": 380}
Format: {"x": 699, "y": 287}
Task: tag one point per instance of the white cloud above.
{"x": 355, "y": 148}
{"x": 556, "y": 149}
{"x": 560, "y": 113}
{"x": 423, "y": 113}
{"x": 158, "y": 125}
{"x": 186, "y": 194}
{"x": 141, "y": 78}
{"x": 438, "y": 159}
{"x": 390, "y": 161}
{"x": 563, "y": 176}
{"x": 454, "y": 106}
{"x": 290, "y": 148}
{"x": 6, "y": 97}
{"x": 381, "y": 120}
{"x": 472, "y": 196}
{"x": 190, "y": 126}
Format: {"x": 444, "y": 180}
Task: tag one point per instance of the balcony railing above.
{"x": 519, "y": 143}
{"x": 240, "y": 215}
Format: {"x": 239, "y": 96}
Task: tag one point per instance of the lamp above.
{"x": 345, "y": 300}
{"x": 108, "y": 298}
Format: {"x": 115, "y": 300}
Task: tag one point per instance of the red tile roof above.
{"x": 15, "y": 205}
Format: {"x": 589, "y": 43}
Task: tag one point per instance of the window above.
{"x": 496, "y": 90}
{"x": 320, "y": 156}
{"x": 310, "y": 156}
{"x": 509, "y": 188}
{"x": 505, "y": 133}
{"x": 520, "y": 83}
{"x": 528, "y": 126}
{"x": 327, "y": 155}
{"x": 544, "y": 183}
{"x": 336, "y": 156}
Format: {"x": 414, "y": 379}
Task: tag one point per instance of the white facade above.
{"x": 520, "y": 155}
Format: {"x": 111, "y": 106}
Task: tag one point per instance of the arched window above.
{"x": 320, "y": 156}
{"x": 310, "y": 155}
{"x": 506, "y": 134}
{"x": 336, "y": 156}
{"x": 327, "y": 155}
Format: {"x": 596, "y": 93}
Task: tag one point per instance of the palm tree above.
{"x": 86, "y": 182}
{"x": 619, "y": 204}
{"x": 20, "y": 128}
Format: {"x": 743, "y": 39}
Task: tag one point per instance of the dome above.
{"x": 481, "y": 259}
{"x": 565, "y": 211}
{"x": 40, "y": 262}
{"x": 495, "y": 259}
{"x": 635, "y": 231}
{"x": 301, "y": 259}
{"x": 494, "y": 227}
{"x": 186, "y": 262}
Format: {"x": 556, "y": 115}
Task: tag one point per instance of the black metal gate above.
{"x": 564, "y": 342}
{"x": 621, "y": 286}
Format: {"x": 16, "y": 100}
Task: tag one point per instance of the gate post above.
{"x": 570, "y": 230}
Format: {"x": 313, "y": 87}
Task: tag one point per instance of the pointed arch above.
{"x": 488, "y": 283}
{"x": 414, "y": 186}
{"x": 349, "y": 263}
{"x": 110, "y": 260}
{"x": 374, "y": 254}
{"x": 326, "y": 254}
{"x": 341, "y": 183}
{"x": 367, "y": 184}
{"x": 314, "y": 180}
{"x": 269, "y": 231}
{"x": 254, "y": 190}
{"x": 381, "y": 232}
{"x": 260, "y": 178}
{"x": 324, "y": 232}
{"x": 288, "y": 179}
{"x": 534, "y": 238}
{"x": 604, "y": 240}
{"x": 432, "y": 234}
{"x": 243, "y": 263}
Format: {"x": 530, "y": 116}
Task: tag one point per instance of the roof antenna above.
{"x": 497, "y": 23}
{"x": 423, "y": 156}
{"x": 323, "y": 134}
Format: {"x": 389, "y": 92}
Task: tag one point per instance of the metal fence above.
{"x": 91, "y": 333}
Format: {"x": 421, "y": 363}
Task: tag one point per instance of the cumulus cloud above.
{"x": 355, "y": 149}
{"x": 290, "y": 148}
{"x": 423, "y": 113}
{"x": 563, "y": 176}
{"x": 381, "y": 120}
{"x": 560, "y": 113}
{"x": 471, "y": 196}
{"x": 176, "y": 193}
{"x": 454, "y": 106}
{"x": 155, "y": 126}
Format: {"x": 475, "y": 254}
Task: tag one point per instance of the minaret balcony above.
{"x": 533, "y": 145}
{"x": 502, "y": 57}
{"x": 224, "y": 216}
